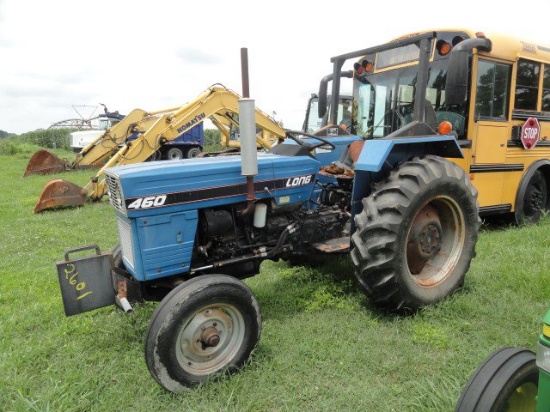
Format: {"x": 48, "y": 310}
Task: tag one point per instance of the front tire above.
{"x": 416, "y": 235}
{"x": 507, "y": 380}
{"x": 205, "y": 326}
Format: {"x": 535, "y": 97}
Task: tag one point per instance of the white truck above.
{"x": 82, "y": 138}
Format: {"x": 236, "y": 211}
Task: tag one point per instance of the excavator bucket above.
{"x": 44, "y": 163}
{"x": 60, "y": 193}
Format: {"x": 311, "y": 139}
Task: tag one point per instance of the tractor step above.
{"x": 337, "y": 245}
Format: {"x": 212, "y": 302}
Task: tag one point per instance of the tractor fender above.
{"x": 379, "y": 153}
{"x": 379, "y": 156}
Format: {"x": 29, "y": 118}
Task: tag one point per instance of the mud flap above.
{"x": 60, "y": 193}
{"x": 86, "y": 282}
{"x": 44, "y": 163}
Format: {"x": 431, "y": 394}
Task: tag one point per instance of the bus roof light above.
{"x": 443, "y": 48}
{"x": 358, "y": 68}
{"x": 367, "y": 65}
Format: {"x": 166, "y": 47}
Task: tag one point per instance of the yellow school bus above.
{"x": 493, "y": 89}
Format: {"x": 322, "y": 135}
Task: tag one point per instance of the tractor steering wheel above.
{"x": 292, "y": 134}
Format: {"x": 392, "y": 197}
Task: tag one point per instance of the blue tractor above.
{"x": 191, "y": 230}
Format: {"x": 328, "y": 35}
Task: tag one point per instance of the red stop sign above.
{"x": 530, "y": 133}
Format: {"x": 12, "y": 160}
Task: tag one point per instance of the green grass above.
{"x": 324, "y": 346}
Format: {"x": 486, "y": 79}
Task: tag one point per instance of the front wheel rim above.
{"x": 210, "y": 339}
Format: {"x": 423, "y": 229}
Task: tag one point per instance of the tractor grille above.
{"x": 115, "y": 193}
{"x": 126, "y": 244}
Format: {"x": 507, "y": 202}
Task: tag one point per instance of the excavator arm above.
{"x": 100, "y": 150}
{"x": 219, "y": 104}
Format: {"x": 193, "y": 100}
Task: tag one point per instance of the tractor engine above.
{"x": 239, "y": 243}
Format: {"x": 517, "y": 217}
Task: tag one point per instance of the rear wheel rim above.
{"x": 435, "y": 241}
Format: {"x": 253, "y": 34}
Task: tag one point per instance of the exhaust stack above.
{"x": 247, "y": 125}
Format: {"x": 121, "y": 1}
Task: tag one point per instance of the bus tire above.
{"x": 532, "y": 197}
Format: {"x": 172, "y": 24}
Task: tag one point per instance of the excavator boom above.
{"x": 219, "y": 104}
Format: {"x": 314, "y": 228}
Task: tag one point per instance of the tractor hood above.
{"x": 151, "y": 188}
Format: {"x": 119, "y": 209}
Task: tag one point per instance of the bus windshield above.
{"x": 385, "y": 100}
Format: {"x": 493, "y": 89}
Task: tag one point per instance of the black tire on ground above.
{"x": 206, "y": 326}
{"x": 507, "y": 380}
{"x": 174, "y": 153}
{"x": 193, "y": 152}
{"x": 156, "y": 156}
{"x": 534, "y": 200}
{"x": 416, "y": 235}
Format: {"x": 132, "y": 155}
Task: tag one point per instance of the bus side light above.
{"x": 445, "y": 127}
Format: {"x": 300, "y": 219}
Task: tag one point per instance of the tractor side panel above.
{"x": 158, "y": 246}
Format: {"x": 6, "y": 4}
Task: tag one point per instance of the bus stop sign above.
{"x": 530, "y": 133}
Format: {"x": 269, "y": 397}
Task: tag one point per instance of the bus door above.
{"x": 491, "y": 131}
{"x": 488, "y": 161}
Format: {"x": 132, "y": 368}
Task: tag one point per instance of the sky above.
{"x": 59, "y": 59}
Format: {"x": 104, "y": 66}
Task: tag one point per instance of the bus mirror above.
{"x": 456, "y": 86}
{"x": 457, "y": 77}
{"x": 322, "y": 104}
{"x": 323, "y": 87}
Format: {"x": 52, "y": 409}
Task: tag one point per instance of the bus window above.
{"x": 527, "y": 83}
{"x": 493, "y": 85}
{"x": 546, "y": 89}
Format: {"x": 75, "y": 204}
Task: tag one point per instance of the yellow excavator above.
{"x": 149, "y": 131}
{"x": 98, "y": 151}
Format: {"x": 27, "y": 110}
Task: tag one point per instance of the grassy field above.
{"x": 324, "y": 347}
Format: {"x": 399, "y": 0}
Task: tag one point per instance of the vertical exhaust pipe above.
{"x": 247, "y": 125}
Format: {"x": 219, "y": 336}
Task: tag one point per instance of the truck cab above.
{"x": 82, "y": 138}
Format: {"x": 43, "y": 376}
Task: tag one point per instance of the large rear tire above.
{"x": 507, "y": 380}
{"x": 207, "y": 325}
{"x": 416, "y": 235}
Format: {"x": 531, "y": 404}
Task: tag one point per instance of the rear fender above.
{"x": 378, "y": 157}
